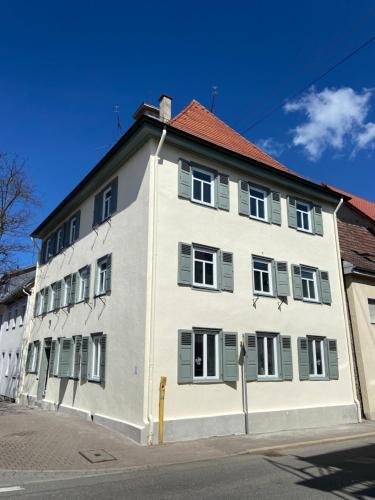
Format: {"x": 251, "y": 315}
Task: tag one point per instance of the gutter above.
{"x": 151, "y": 326}
{"x": 346, "y": 314}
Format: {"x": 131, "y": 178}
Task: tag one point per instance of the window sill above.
{"x": 207, "y": 381}
{"x": 304, "y": 231}
{"x": 309, "y": 301}
{"x": 107, "y": 219}
{"x": 260, "y": 294}
{"x": 318, "y": 379}
{"x": 98, "y": 295}
{"x": 94, "y": 380}
{"x": 205, "y": 289}
{"x": 258, "y": 219}
{"x": 269, "y": 379}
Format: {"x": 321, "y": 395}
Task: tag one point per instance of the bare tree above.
{"x": 17, "y": 201}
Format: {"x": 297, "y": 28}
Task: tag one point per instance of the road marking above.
{"x": 11, "y": 488}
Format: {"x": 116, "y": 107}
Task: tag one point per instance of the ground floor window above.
{"x": 316, "y": 357}
{"x": 267, "y": 355}
{"x": 96, "y": 357}
{"x": 206, "y": 358}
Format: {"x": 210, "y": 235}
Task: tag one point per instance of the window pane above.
{"x": 207, "y": 193}
{"x": 198, "y": 357}
{"x": 307, "y": 274}
{"x": 319, "y": 357}
{"x": 266, "y": 282}
{"x": 201, "y": 175}
{"x": 305, "y": 221}
{"x": 253, "y": 207}
{"x": 299, "y": 219}
{"x": 260, "y": 265}
{"x": 311, "y": 357}
{"x": 209, "y": 274}
{"x": 305, "y": 291}
{"x": 211, "y": 356}
{"x": 301, "y": 207}
{"x": 312, "y": 290}
{"x": 271, "y": 357}
{"x": 261, "y": 209}
{"x": 197, "y": 194}
{"x": 198, "y": 272}
{"x": 257, "y": 194}
{"x": 261, "y": 367}
{"x": 204, "y": 256}
{"x": 257, "y": 285}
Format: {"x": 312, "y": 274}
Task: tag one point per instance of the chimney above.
{"x": 165, "y": 113}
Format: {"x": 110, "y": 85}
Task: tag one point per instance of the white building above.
{"x": 183, "y": 244}
{"x": 15, "y": 289}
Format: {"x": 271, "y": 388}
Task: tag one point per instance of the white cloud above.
{"x": 271, "y": 146}
{"x": 335, "y": 119}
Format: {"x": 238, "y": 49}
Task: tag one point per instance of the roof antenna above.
{"x": 117, "y": 119}
{"x": 213, "y": 98}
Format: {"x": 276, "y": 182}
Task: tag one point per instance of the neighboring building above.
{"x": 356, "y": 224}
{"x": 15, "y": 289}
{"x": 184, "y": 242}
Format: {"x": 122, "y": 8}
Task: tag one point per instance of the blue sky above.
{"x": 65, "y": 65}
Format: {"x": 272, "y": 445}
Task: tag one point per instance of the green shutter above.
{"x": 108, "y": 275}
{"x": 292, "y": 213}
{"x": 84, "y": 358}
{"x": 46, "y": 299}
{"x": 88, "y": 282}
{"x": 282, "y": 279}
{"x": 230, "y": 356}
{"x": 98, "y": 209}
{"x": 226, "y": 264}
{"x": 324, "y": 286}
{"x": 184, "y": 179}
{"x": 114, "y": 191}
{"x": 52, "y": 358}
{"x": 28, "y": 358}
{"x": 222, "y": 186}
{"x": 274, "y": 208}
{"x": 77, "y": 356}
{"x": 103, "y": 348}
{"x": 286, "y": 368}
{"x": 185, "y": 357}
{"x": 73, "y": 288}
{"x": 65, "y": 361}
{"x": 317, "y": 220}
{"x": 185, "y": 264}
{"x": 251, "y": 357}
{"x": 297, "y": 282}
{"x": 333, "y": 365}
{"x": 303, "y": 358}
{"x": 243, "y": 198}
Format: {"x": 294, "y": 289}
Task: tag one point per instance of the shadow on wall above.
{"x": 348, "y": 473}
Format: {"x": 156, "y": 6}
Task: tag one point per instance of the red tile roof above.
{"x": 196, "y": 120}
{"x": 357, "y": 245}
{"x": 365, "y": 206}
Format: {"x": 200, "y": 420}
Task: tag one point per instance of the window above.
{"x": 7, "y": 368}
{"x": 267, "y": 356}
{"x": 73, "y": 230}
{"x": 41, "y": 302}
{"x": 15, "y": 317}
{"x": 107, "y": 195}
{"x": 316, "y": 357}
{"x": 371, "y": 306}
{"x": 34, "y": 357}
{"x": 8, "y": 320}
{"x": 67, "y": 285}
{"x": 83, "y": 283}
{"x": 206, "y": 358}
{"x": 203, "y": 187}
{"x": 309, "y": 288}
{"x": 205, "y": 267}
{"x": 49, "y": 252}
{"x": 103, "y": 277}
{"x": 22, "y": 317}
{"x": 56, "y": 362}
{"x": 258, "y": 203}
{"x": 262, "y": 276}
{"x": 96, "y": 357}
{"x": 12, "y": 319}
{"x": 303, "y": 216}
{"x": 60, "y": 239}
{"x": 17, "y": 372}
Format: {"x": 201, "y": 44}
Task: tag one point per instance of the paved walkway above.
{"x": 32, "y": 439}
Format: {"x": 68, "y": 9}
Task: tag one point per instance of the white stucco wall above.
{"x": 180, "y": 307}
{"x": 120, "y": 315}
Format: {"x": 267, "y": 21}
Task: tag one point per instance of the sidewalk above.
{"x": 32, "y": 439}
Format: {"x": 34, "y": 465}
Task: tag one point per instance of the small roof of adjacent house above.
{"x": 12, "y": 283}
{"x": 366, "y": 207}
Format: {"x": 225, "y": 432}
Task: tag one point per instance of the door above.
{"x": 43, "y": 372}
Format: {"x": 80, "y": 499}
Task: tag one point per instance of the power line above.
{"x": 306, "y": 87}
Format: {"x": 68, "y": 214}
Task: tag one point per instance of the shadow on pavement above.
{"x": 346, "y": 473}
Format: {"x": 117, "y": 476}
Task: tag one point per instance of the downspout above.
{"x": 150, "y": 417}
{"x": 346, "y": 316}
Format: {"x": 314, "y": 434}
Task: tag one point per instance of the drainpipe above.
{"x": 346, "y": 316}
{"x": 150, "y": 417}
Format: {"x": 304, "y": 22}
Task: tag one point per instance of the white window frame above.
{"x": 308, "y": 211}
{"x": 41, "y": 302}
{"x": 371, "y": 310}
{"x": 95, "y": 363}
{"x": 51, "y": 298}
{"x": 67, "y": 289}
{"x": 106, "y": 209}
{"x": 265, "y": 193}
{"x": 315, "y": 374}
{"x": 22, "y": 316}
{"x": 263, "y": 337}
{"x": 7, "y": 367}
{"x": 314, "y": 273}
{"x": 33, "y": 359}
{"x": 18, "y": 359}
{"x": 48, "y": 245}
{"x": 73, "y": 225}
{"x": 204, "y": 360}
{"x": 8, "y": 320}
{"x": 211, "y": 183}
{"x": 269, "y": 272}
{"x": 214, "y": 266}
{"x": 60, "y": 236}
{"x": 57, "y": 357}
{"x": 12, "y": 319}
{"x": 101, "y": 290}
{"x": 83, "y": 283}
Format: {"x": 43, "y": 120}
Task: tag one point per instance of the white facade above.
{"x": 146, "y": 308}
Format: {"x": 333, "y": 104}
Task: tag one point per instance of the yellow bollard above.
{"x": 163, "y": 383}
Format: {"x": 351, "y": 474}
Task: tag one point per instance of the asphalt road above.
{"x": 342, "y": 470}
